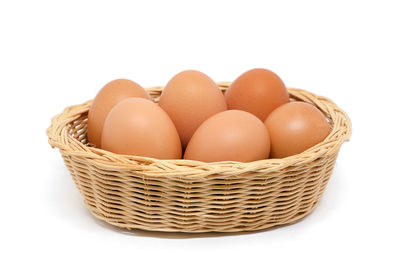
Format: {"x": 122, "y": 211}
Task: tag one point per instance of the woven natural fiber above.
{"x": 190, "y": 196}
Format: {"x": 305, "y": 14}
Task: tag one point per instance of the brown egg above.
{"x": 111, "y": 94}
{"x": 295, "y": 127}
{"x": 232, "y": 135}
{"x": 190, "y": 98}
{"x": 137, "y": 126}
{"x": 258, "y": 91}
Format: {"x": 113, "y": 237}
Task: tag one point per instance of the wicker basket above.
{"x": 191, "y": 196}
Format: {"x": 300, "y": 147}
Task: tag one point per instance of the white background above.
{"x": 57, "y": 53}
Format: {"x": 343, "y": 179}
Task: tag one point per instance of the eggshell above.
{"x": 137, "y": 126}
{"x": 190, "y": 98}
{"x": 258, "y": 91}
{"x": 295, "y": 127}
{"x": 111, "y": 94}
{"x": 232, "y": 135}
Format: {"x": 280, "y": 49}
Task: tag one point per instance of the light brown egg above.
{"x": 137, "y": 126}
{"x": 111, "y": 94}
{"x": 232, "y": 135}
{"x": 295, "y": 127}
{"x": 258, "y": 91}
{"x": 190, "y": 98}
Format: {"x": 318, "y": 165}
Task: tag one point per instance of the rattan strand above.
{"x": 189, "y": 196}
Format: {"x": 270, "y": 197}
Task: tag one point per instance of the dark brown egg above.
{"x": 258, "y": 91}
{"x": 295, "y": 127}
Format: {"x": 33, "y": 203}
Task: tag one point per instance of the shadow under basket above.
{"x": 190, "y": 196}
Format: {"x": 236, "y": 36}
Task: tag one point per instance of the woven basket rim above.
{"x": 59, "y": 137}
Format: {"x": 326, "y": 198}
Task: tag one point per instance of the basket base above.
{"x": 184, "y": 233}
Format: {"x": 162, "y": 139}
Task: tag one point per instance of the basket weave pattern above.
{"x": 190, "y": 196}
